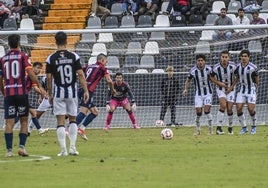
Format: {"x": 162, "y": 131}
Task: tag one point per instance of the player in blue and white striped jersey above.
{"x": 248, "y": 77}
{"x": 201, "y": 74}
{"x": 223, "y": 72}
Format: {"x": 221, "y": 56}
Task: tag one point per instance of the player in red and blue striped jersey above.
{"x": 13, "y": 68}
{"x": 123, "y": 91}
{"x": 88, "y": 110}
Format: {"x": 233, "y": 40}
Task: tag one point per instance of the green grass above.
{"x": 131, "y": 158}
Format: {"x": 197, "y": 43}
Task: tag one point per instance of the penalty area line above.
{"x": 25, "y": 159}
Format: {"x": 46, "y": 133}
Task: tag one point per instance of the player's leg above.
{"x": 173, "y": 112}
{"x": 113, "y": 105}
{"x": 9, "y": 123}
{"x": 240, "y": 100}
{"x": 126, "y": 105}
{"x": 72, "y": 111}
{"x": 83, "y": 109}
{"x": 207, "y": 105}
{"x": 230, "y": 103}
{"x": 252, "y": 112}
{"x": 163, "y": 111}
{"x": 36, "y": 123}
{"x": 87, "y": 120}
{"x": 59, "y": 109}
{"x": 198, "y": 110}
{"x": 220, "y": 115}
{"x": 23, "y": 112}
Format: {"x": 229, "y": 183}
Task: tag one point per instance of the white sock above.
{"x": 230, "y": 119}
{"x": 253, "y": 118}
{"x": 197, "y": 120}
{"x": 209, "y": 118}
{"x": 73, "y": 134}
{"x": 62, "y": 138}
{"x": 242, "y": 120}
{"x": 220, "y": 118}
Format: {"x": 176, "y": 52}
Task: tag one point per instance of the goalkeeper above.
{"x": 120, "y": 99}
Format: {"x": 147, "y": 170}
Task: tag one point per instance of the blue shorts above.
{"x": 89, "y": 103}
{"x": 17, "y": 105}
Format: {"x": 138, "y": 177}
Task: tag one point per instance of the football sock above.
{"x": 220, "y": 117}
{"x": 253, "y": 118}
{"x": 9, "y": 140}
{"x": 61, "y": 137}
{"x": 109, "y": 118}
{"x": 79, "y": 118}
{"x": 230, "y": 119}
{"x": 36, "y": 123}
{"x": 242, "y": 120}
{"x": 88, "y": 119}
{"x": 132, "y": 118}
{"x": 23, "y": 138}
{"x": 72, "y": 134}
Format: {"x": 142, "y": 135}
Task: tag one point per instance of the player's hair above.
{"x": 118, "y": 74}
{"x": 61, "y": 38}
{"x": 37, "y": 64}
{"x": 13, "y": 40}
{"x": 245, "y": 51}
{"x": 223, "y": 9}
{"x": 100, "y": 56}
{"x": 200, "y": 56}
{"x": 224, "y": 52}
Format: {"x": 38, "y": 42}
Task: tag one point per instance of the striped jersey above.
{"x": 246, "y": 77}
{"x": 201, "y": 80}
{"x": 13, "y": 68}
{"x": 94, "y": 73}
{"x": 225, "y": 75}
{"x": 63, "y": 65}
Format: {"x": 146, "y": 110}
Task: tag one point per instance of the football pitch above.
{"x": 129, "y": 158}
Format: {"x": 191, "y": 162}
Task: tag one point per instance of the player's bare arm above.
{"x": 111, "y": 84}
{"x": 49, "y": 86}
{"x": 82, "y": 79}
{"x": 186, "y": 86}
{"x": 217, "y": 83}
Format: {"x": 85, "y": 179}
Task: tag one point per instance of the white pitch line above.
{"x": 35, "y": 157}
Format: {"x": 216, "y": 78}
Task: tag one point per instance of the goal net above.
{"x": 135, "y": 50}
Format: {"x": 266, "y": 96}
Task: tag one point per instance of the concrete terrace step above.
{"x": 65, "y": 13}
{"x": 65, "y": 19}
{"x": 63, "y": 26}
{"x": 70, "y": 6}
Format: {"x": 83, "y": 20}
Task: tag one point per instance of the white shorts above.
{"x": 246, "y": 98}
{"x": 200, "y": 101}
{"x": 44, "y": 105}
{"x": 230, "y": 97}
{"x": 62, "y": 106}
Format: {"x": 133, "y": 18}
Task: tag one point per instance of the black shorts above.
{"x": 16, "y": 105}
{"x": 89, "y": 103}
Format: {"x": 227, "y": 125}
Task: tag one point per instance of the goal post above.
{"x": 176, "y": 46}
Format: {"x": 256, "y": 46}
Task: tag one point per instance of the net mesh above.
{"x": 133, "y": 51}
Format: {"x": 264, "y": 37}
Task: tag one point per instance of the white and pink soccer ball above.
{"x": 166, "y": 134}
{"x": 159, "y": 123}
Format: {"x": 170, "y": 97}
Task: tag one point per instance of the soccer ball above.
{"x": 159, "y": 123}
{"x": 167, "y": 134}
